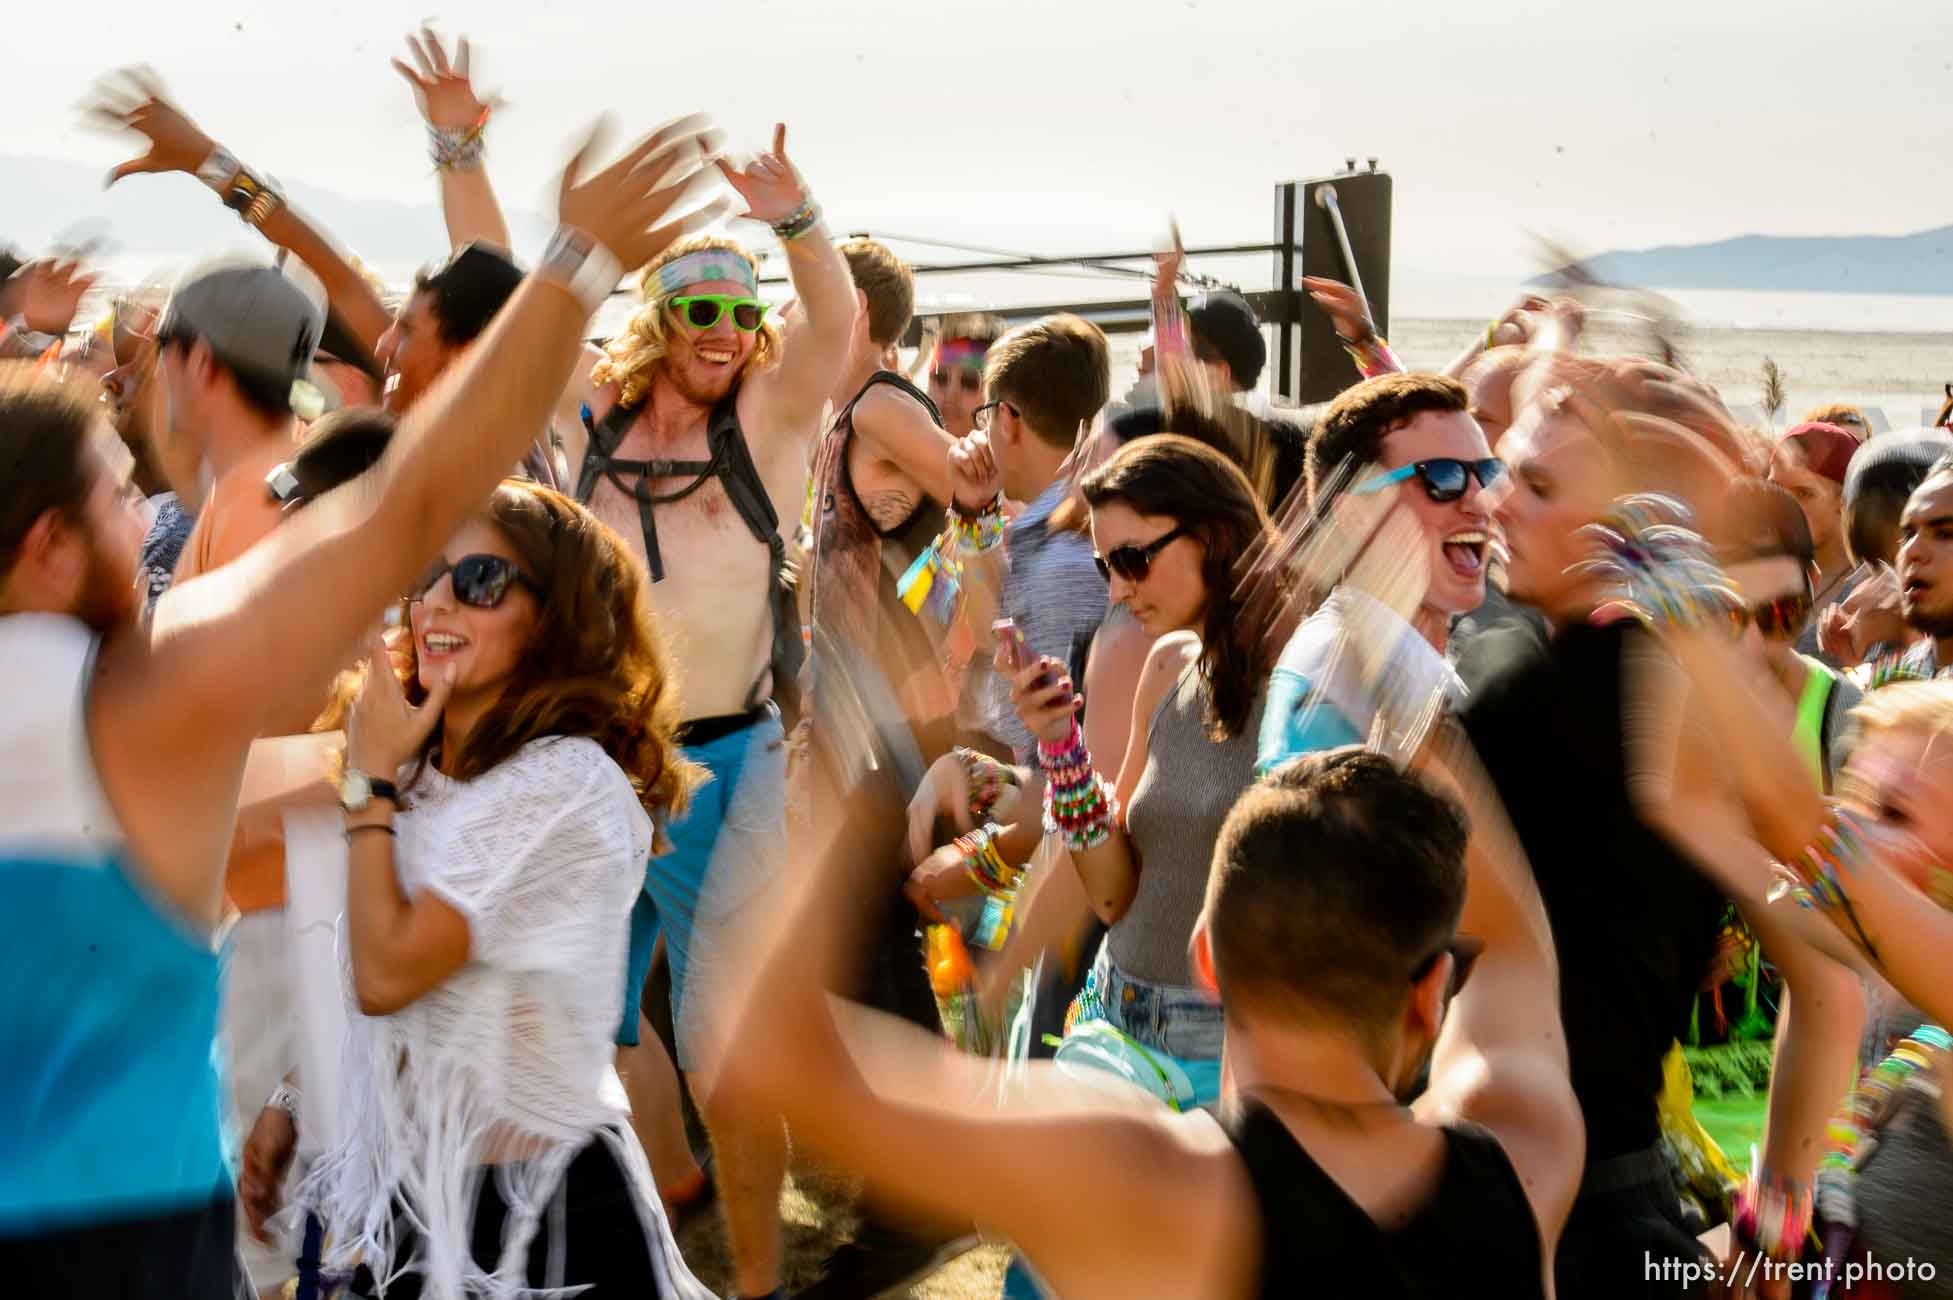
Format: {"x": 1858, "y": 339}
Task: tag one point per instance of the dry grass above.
{"x": 817, "y": 1213}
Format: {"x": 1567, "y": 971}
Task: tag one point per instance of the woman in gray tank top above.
{"x": 1172, "y": 521}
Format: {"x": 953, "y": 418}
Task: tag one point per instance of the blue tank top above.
{"x": 109, "y": 1018}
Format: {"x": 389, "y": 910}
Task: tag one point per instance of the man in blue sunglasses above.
{"x": 1408, "y": 444}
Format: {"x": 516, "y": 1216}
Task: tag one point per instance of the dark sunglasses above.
{"x": 1780, "y": 618}
{"x": 1132, "y": 562}
{"x": 1464, "y": 950}
{"x": 480, "y": 581}
{"x": 970, "y": 381}
{"x": 702, "y": 311}
{"x": 1444, "y": 478}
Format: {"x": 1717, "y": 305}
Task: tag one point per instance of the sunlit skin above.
{"x": 704, "y": 364}
{"x": 1173, "y": 594}
{"x": 1819, "y": 498}
{"x": 1898, "y": 777}
{"x": 481, "y": 646}
{"x": 1926, "y": 562}
{"x": 1555, "y": 483}
{"x": 1457, "y": 532}
{"x": 413, "y": 352}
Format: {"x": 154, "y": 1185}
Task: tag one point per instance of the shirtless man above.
{"x": 696, "y": 447}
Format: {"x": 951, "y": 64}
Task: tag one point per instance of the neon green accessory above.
{"x": 703, "y": 310}
{"x": 1808, "y": 734}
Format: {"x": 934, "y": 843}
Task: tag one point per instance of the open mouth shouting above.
{"x": 1466, "y": 552}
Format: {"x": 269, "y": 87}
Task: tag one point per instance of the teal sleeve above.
{"x": 1297, "y": 722}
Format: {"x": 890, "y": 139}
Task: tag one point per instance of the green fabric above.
{"x": 1808, "y": 735}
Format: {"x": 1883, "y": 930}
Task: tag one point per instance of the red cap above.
{"x": 1826, "y": 448}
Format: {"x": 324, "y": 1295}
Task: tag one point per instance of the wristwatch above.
{"x": 357, "y": 789}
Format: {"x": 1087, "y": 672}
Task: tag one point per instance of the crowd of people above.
{"x": 474, "y": 799}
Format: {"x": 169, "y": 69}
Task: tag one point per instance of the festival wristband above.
{"x": 798, "y": 222}
{"x": 1773, "y": 1214}
{"x": 457, "y": 148}
{"x": 979, "y": 530}
{"x": 576, "y": 261}
{"x": 1373, "y": 356}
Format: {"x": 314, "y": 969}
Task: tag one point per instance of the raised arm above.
{"x": 177, "y": 144}
{"x": 230, "y": 650}
{"x": 456, "y": 117}
{"x": 792, "y": 394}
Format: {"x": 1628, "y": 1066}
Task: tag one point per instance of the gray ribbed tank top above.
{"x": 1189, "y": 785}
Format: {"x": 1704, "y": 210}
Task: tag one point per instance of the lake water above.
{"x": 1890, "y": 353}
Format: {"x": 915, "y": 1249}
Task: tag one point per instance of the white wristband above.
{"x": 218, "y": 169}
{"x": 581, "y": 264}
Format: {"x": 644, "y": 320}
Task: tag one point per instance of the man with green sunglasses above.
{"x": 694, "y": 448}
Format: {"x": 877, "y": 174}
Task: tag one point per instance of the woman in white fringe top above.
{"x": 530, "y": 756}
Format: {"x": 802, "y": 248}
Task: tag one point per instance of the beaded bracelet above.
{"x": 1772, "y": 1214}
{"x": 1078, "y": 802}
{"x": 986, "y": 778}
{"x": 979, "y": 530}
{"x": 1838, "y": 850}
{"x": 801, "y": 220}
{"x": 457, "y": 148}
{"x": 1849, "y": 1136}
{"x": 984, "y": 864}
{"x": 1373, "y": 356}
{"x": 1659, "y": 566}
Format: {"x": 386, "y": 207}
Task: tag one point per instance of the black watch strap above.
{"x": 384, "y": 790}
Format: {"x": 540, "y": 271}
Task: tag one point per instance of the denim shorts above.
{"x": 1181, "y": 1021}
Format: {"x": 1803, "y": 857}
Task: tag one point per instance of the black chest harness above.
{"x": 732, "y": 464}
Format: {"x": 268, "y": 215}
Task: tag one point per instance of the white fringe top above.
{"x": 512, "y": 1053}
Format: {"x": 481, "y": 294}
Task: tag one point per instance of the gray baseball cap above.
{"x": 256, "y": 320}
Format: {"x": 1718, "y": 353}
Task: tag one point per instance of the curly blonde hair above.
{"x": 597, "y": 666}
{"x": 632, "y": 355}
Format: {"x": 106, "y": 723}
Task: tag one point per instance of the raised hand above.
{"x": 385, "y": 729}
{"x": 46, "y": 293}
{"x": 134, "y": 100}
{"x": 770, "y": 185}
{"x": 622, "y": 205}
{"x": 973, "y": 471}
{"x": 442, "y": 89}
{"x": 1347, "y": 309}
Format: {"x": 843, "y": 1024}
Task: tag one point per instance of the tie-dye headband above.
{"x": 706, "y": 265}
{"x": 959, "y": 354}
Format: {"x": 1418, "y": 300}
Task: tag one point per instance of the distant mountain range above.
{"x": 45, "y": 201}
{"x": 1920, "y": 263}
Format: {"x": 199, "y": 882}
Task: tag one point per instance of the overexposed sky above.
{"x": 1077, "y": 124}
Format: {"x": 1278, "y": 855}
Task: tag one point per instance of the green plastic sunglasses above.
{"x": 703, "y": 310}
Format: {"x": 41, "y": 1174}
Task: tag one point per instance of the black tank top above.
{"x": 1475, "y": 1236}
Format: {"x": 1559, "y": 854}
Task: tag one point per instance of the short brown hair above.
{"x": 889, "y": 285}
{"x": 1055, "y": 371}
{"x": 1352, "y": 430}
{"x": 1333, "y": 880}
{"x": 43, "y": 431}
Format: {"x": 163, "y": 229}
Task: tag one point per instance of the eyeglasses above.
{"x": 1464, "y": 950}
{"x": 970, "y": 381}
{"x": 1780, "y": 618}
{"x": 981, "y": 416}
{"x": 1133, "y": 562}
{"x": 1444, "y": 478}
{"x": 703, "y": 310}
{"x": 480, "y": 581}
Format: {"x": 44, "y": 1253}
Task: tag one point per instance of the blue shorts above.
{"x": 724, "y": 849}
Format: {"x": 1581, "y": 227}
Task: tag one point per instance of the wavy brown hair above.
{"x": 1200, "y": 489}
{"x": 596, "y": 666}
